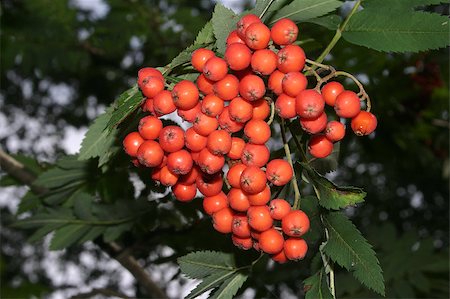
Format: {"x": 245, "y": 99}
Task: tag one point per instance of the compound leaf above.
{"x": 316, "y": 286}
{"x": 347, "y": 247}
{"x": 223, "y": 21}
{"x": 203, "y": 263}
{"x": 302, "y": 10}
{"x": 230, "y": 286}
{"x": 127, "y": 102}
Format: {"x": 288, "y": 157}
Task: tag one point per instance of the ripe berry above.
{"x": 171, "y": 139}
{"x": 150, "y": 153}
{"x": 261, "y": 109}
{"x": 271, "y": 241}
{"x": 212, "y": 105}
{"x": 295, "y": 224}
{"x": 150, "y": 127}
{"x": 204, "y": 124}
{"x": 279, "y": 208}
{"x": 285, "y": 106}
{"x": 180, "y": 162}
{"x": 184, "y": 193}
{"x": 199, "y": 58}
{"x": 259, "y": 218}
{"x": 233, "y": 38}
{"x": 275, "y": 82}
{"x": 244, "y": 22}
{"x": 257, "y": 36}
{"x": 151, "y": 86}
{"x": 215, "y": 69}
{"x": 364, "y": 123}
{"x": 227, "y": 123}
{"x": 335, "y": 131}
{"x": 240, "y": 110}
{"x": 167, "y": 178}
{"x": 293, "y": 83}
{"x": 257, "y": 131}
{"x": 223, "y": 220}
{"x": 132, "y": 142}
{"x": 148, "y": 106}
{"x": 219, "y": 142}
{"x": 148, "y": 71}
{"x": 284, "y": 32}
{"x": 330, "y": 91}
{"x": 279, "y": 172}
{"x": 347, "y": 104}
{"x": 253, "y": 180}
{"x": 238, "y": 200}
{"x": 190, "y": 177}
{"x": 190, "y": 114}
{"x": 227, "y": 88}
{"x": 260, "y": 198}
{"x": 255, "y": 155}
{"x": 185, "y": 95}
{"x": 291, "y": 59}
{"x": 252, "y": 88}
{"x": 194, "y": 141}
{"x": 204, "y": 84}
{"x": 295, "y": 248}
{"x": 209, "y": 185}
{"x": 314, "y": 125}
{"x": 242, "y": 243}
{"x": 212, "y": 204}
{"x": 234, "y": 175}
{"x": 280, "y": 257}
{"x": 237, "y": 147}
{"x": 309, "y": 104}
{"x": 163, "y": 103}
{"x": 210, "y": 163}
{"x": 264, "y": 62}
{"x": 319, "y": 146}
{"x": 238, "y": 56}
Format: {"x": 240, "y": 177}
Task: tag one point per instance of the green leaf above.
{"x": 203, "y": 263}
{"x": 310, "y": 205}
{"x": 114, "y": 232}
{"x": 28, "y": 202}
{"x": 330, "y": 22}
{"x": 210, "y": 282}
{"x": 83, "y": 206}
{"x": 223, "y": 21}
{"x": 230, "y": 287}
{"x": 347, "y": 247}
{"x": 127, "y": 102}
{"x": 93, "y": 233}
{"x": 331, "y": 196}
{"x": 67, "y": 235}
{"x": 316, "y": 286}
{"x": 206, "y": 35}
{"x": 261, "y": 5}
{"x": 57, "y": 177}
{"x": 43, "y": 231}
{"x": 97, "y": 141}
{"x": 393, "y": 26}
{"x": 302, "y": 10}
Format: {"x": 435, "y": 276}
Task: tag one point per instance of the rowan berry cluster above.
{"x": 228, "y": 110}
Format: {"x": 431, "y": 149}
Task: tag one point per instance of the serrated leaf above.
{"x": 230, "y": 287}
{"x": 203, "y": 263}
{"x": 262, "y": 5}
{"x": 114, "y": 232}
{"x": 223, "y": 21}
{"x": 97, "y": 140}
{"x": 210, "y": 282}
{"x": 206, "y": 35}
{"x": 399, "y": 4}
{"x": 316, "y": 286}
{"x": 127, "y": 102}
{"x": 309, "y": 205}
{"x": 330, "y": 22}
{"x": 70, "y": 162}
{"x": 331, "y": 196}
{"x": 396, "y": 28}
{"x": 329, "y": 163}
{"x": 28, "y": 202}
{"x": 93, "y": 233}
{"x": 43, "y": 231}
{"x": 82, "y": 206}
{"x": 302, "y": 10}
{"x": 67, "y": 236}
{"x": 347, "y": 247}
{"x": 57, "y": 177}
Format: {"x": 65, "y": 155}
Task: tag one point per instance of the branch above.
{"x": 23, "y": 175}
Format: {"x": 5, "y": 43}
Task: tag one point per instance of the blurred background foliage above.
{"x": 63, "y": 62}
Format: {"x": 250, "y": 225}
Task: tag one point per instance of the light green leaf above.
{"x": 206, "y": 35}
{"x": 230, "y": 287}
{"x": 127, "y": 102}
{"x": 203, "y": 263}
{"x": 316, "y": 286}
{"x": 67, "y": 235}
{"x": 261, "y": 5}
{"x": 347, "y": 247}
{"x": 302, "y": 10}
{"x": 223, "y": 21}
{"x": 392, "y": 26}
{"x": 331, "y": 196}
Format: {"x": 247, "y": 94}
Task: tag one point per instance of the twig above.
{"x": 23, "y": 175}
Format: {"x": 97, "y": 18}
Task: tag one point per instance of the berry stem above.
{"x": 296, "y": 204}
{"x": 272, "y": 113}
{"x": 338, "y": 34}
{"x": 328, "y": 265}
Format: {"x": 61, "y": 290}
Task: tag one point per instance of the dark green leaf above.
{"x": 316, "y": 286}
{"x": 223, "y": 21}
{"x": 57, "y": 177}
{"x": 262, "y": 5}
{"x": 203, "y": 263}
{"x": 331, "y": 196}
{"x": 83, "y": 206}
{"x": 210, "y": 282}
{"x": 67, "y": 235}
{"x": 310, "y": 205}
{"x": 127, "y": 102}
{"x": 347, "y": 247}
{"x": 28, "y": 202}
{"x": 43, "y": 231}
{"x": 230, "y": 286}
{"x": 330, "y": 22}
{"x": 206, "y": 35}
{"x": 114, "y": 232}
{"x": 302, "y": 10}
{"x": 93, "y": 233}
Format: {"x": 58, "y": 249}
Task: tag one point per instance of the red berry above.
{"x": 132, "y": 142}
{"x": 284, "y": 32}
{"x": 330, "y": 91}
{"x": 271, "y": 241}
{"x": 347, "y": 104}
{"x": 309, "y": 104}
{"x": 295, "y": 248}
{"x": 319, "y": 146}
{"x": 335, "y": 131}
{"x": 279, "y": 172}
{"x": 364, "y": 123}
{"x": 295, "y": 223}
